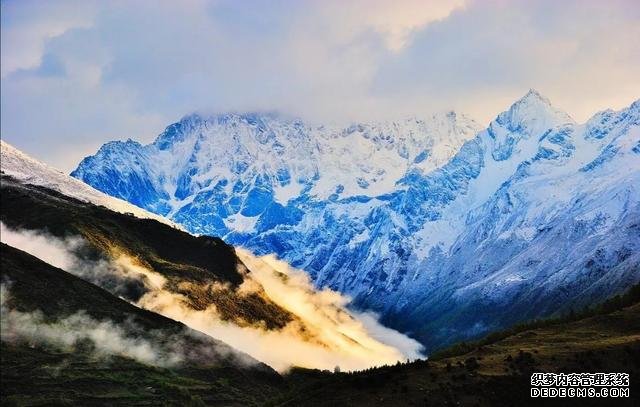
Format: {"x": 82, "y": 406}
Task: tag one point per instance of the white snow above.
{"x": 287, "y": 192}
{"x": 241, "y": 223}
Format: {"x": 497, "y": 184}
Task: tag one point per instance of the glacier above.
{"x": 448, "y": 230}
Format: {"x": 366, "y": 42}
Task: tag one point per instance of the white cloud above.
{"x": 77, "y": 74}
{"x": 27, "y": 25}
{"x": 395, "y": 21}
{"x": 107, "y": 337}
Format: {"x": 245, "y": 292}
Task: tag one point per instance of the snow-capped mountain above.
{"x": 447, "y": 230}
{"x": 257, "y": 164}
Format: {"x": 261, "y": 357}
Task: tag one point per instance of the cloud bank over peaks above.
{"x": 95, "y": 71}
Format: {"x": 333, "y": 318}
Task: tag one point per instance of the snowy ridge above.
{"x": 214, "y": 155}
{"x": 30, "y": 171}
{"x": 446, "y": 229}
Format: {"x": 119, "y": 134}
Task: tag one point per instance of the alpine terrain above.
{"x": 256, "y": 305}
{"x": 105, "y": 304}
{"x": 446, "y": 229}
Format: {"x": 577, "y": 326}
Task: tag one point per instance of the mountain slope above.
{"x": 175, "y": 255}
{"x": 256, "y": 304}
{"x": 57, "y": 328}
{"x": 447, "y": 241}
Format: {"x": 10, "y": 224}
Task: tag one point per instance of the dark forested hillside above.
{"x": 42, "y": 306}
{"x": 495, "y": 371}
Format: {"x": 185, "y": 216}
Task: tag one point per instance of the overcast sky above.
{"x": 76, "y": 74}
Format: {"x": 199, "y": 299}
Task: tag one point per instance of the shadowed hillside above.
{"x": 186, "y": 367}
{"x": 196, "y": 262}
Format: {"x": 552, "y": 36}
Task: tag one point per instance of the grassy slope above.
{"x": 179, "y": 256}
{"x": 493, "y": 373}
{"x": 36, "y": 374}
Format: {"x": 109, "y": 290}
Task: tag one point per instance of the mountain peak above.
{"x": 533, "y": 98}
{"x": 230, "y": 116}
{"x": 533, "y": 112}
{"x": 533, "y": 94}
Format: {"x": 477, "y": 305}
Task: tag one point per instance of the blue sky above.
{"x": 76, "y": 74}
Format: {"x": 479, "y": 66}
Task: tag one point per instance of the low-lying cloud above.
{"x": 120, "y": 275}
{"x": 105, "y": 338}
{"x": 323, "y": 334}
{"x": 359, "y": 336}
